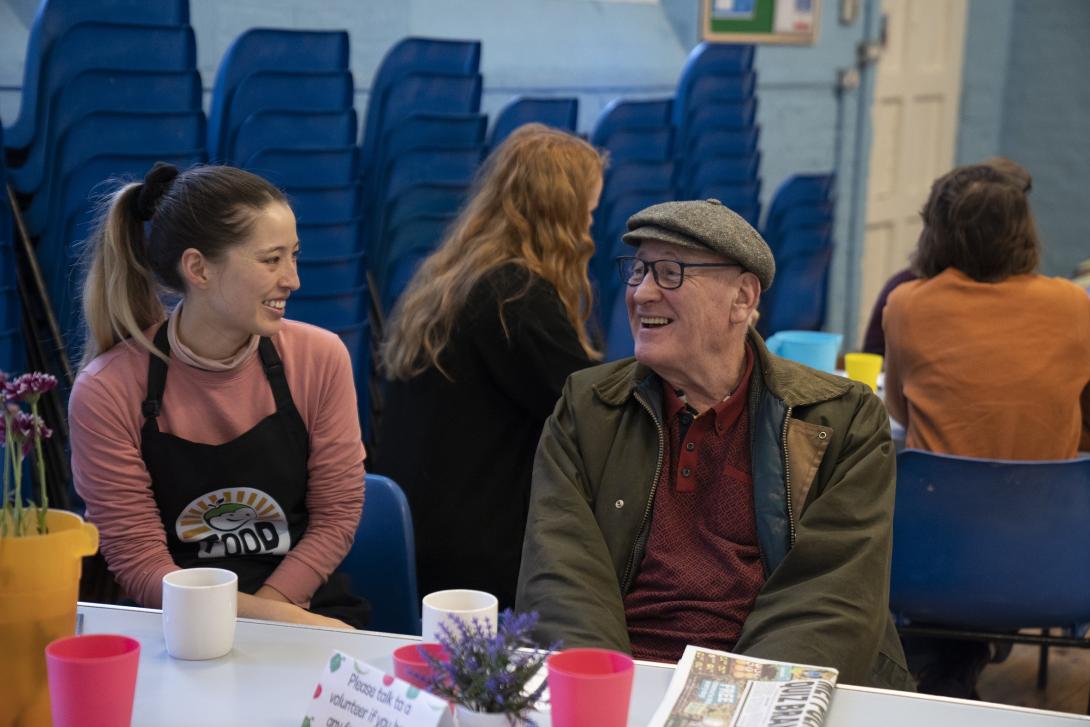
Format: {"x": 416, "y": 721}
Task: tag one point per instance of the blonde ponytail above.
{"x": 120, "y": 295}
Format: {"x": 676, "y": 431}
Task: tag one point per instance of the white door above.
{"x": 914, "y": 119}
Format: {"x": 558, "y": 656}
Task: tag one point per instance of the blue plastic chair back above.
{"x": 420, "y": 130}
{"x": 54, "y": 18}
{"x": 409, "y": 56}
{"x": 797, "y": 301}
{"x": 318, "y": 205}
{"x": 560, "y": 113}
{"x": 399, "y": 273}
{"x": 103, "y": 132}
{"x": 721, "y": 89}
{"x": 422, "y": 232}
{"x": 796, "y": 190}
{"x": 294, "y": 129}
{"x": 282, "y": 91}
{"x": 332, "y": 310}
{"x": 103, "y": 45}
{"x": 331, "y": 273}
{"x": 431, "y": 166}
{"x": 104, "y": 90}
{"x": 12, "y": 350}
{"x": 382, "y": 561}
{"x": 718, "y": 171}
{"x": 641, "y": 145}
{"x": 271, "y": 49}
{"x": 708, "y": 59}
{"x": 628, "y": 177}
{"x": 336, "y": 239}
{"x": 619, "y": 342}
{"x": 723, "y": 142}
{"x": 306, "y": 168}
{"x": 991, "y": 544}
{"x": 717, "y": 117}
{"x": 623, "y": 115}
{"x": 425, "y": 200}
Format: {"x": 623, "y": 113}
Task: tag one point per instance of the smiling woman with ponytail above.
{"x": 251, "y": 458}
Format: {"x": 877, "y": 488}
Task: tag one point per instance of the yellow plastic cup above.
{"x": 863, "y": 367}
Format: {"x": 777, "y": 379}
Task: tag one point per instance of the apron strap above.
{"x": 157, "y": 380}
{"x": 274, "y": 372}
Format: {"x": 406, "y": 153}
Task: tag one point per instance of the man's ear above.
{"x": 746, "y": 299}
{"x": 194, "y": 268}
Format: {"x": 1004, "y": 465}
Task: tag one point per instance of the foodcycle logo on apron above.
{"x": 235, "y": 521}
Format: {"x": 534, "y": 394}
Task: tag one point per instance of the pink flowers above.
{"x": 22, "y": 432}
{"x": 27, "y": 387}
{"x": 27, "y": 429}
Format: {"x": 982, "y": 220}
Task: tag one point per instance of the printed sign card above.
{"x": 352, "y": 693}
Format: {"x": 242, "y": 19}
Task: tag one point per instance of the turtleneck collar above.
{"x": 186, "y": 355}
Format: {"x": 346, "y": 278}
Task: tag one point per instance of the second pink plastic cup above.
{"x": 92, "y": 679}
{"x": 589, "y": 686}
{"x": 409, "y": 663}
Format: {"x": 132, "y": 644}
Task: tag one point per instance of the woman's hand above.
{"x": 278, "y": 609}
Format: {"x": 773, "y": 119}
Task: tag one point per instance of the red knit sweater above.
{"x": 702, "y": 570}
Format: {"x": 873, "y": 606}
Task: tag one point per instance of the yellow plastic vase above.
{"x": 39, "y": 586}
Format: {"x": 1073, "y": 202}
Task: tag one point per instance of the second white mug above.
{"x": 439, "y": 606}
{"x": 200, "y": 606}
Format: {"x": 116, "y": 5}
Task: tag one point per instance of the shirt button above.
{"x": 690, "y": 446}
{"x": 619, "y": 504}
{"x": 685, "y": 472}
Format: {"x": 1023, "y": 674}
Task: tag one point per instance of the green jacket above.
{"x": 823, "y": 483}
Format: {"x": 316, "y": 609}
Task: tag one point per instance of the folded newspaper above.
{"x": 717, "y": 689}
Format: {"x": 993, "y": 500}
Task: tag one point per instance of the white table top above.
{"x": 269, "y": 676}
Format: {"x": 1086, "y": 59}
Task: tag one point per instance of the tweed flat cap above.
{"x": 705, "y": 225}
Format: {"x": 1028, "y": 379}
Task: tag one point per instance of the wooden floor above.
{"x": 1014, "y": 681}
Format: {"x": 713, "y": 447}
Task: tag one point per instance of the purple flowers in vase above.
{"x": 488, "y": 669}
{"x": 23, "y": 432}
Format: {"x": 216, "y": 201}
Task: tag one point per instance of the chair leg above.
{"x": 1042, "y": 663}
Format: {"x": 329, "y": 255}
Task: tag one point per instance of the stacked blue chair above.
{"x": 799, "y": 229}
{"x": 716, "y": 132}
{"x": 561, "y": 113}
{"x": 283, "y": 107}
{"x": 639, "y": 138}
{"x": 53, "y": 20}
{"x": 110, "y": 88}
{"x": 12, "y": 348}
{"x": 423, "y": 140}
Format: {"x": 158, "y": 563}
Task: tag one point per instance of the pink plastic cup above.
{"x": 589, "y": 686}
{"x": 92, "y": 680}
{"x": 409, "y": 663}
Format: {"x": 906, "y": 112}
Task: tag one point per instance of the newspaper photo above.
{"x": 718, "y": 689}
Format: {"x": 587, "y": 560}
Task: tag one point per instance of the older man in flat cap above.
{"x": 709, "y": 492}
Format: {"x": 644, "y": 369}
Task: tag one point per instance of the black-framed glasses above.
{"x": 668, "y": 274}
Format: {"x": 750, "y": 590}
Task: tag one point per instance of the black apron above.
{"x": 240, "y": 505}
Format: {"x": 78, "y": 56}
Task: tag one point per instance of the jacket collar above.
{"x": 792, "y": 383}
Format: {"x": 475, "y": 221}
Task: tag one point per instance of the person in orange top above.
{"x": 984, "y": 356}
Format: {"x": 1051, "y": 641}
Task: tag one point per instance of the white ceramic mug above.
{"x": 200, "y": 606}
{"x": 438, "y": 607}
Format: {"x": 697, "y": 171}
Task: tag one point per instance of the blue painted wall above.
{"x": 1025, "y": 96}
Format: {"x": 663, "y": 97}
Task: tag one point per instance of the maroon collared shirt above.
{"x": 701, "y": 569}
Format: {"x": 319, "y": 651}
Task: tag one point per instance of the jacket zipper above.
{"x": 642, "y": 537}
{"x": 787, "y": 481}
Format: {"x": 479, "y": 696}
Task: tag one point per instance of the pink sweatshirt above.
{"x": 214, "y": 408}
